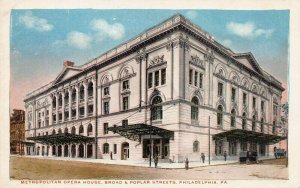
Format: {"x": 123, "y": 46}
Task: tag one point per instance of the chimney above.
{"x": 68, "y": 63}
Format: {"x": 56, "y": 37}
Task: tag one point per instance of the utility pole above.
{"x": 208, "y": 140}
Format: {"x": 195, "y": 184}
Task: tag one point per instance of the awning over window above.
{"x": 135, "y": 131}
{"x": 248, "y": 136}
{"x": 64, "y": 138}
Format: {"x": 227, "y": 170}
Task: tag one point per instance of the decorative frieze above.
{"x": 157, "y": 60}
{"x": 195, "y": 60}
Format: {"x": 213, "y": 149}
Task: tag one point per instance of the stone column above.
{"x": 86, "y": 98}
{"x": 77, "y": 153}
{"x": 94, "y": 151}
{"x": 70, "y": 104}
{"x": 63, "y": 106}
{"x": 94, "y": 96}
{"x": 56, "y": 109}
{"x": 51, "y": 111}
{"x": 63, "y": 150}
{"x": 77, "y": 101}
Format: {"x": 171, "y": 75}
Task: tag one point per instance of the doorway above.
{"x": 125, "y": 151}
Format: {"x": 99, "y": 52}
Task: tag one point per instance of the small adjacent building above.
{"x": 17, "y": 132}
{"x": 172, "y": 91}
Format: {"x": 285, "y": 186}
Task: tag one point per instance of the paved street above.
{"x": 36, "y": 169}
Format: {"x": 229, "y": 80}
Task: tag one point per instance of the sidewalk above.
{"x": 140, "y": 163}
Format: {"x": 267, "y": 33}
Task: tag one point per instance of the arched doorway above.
{"x": 81, "y": 150}
{"x": 89, "y": 151}
{"x": 43, "y": 150}
{"x": 66, "y": 151}
{"x": 59, "y": 151}
{"x": 54, "y": 150}
{"x": 73, "y": 150}
{"x": 125, "y": 151}
{"x": 47, "y": 152}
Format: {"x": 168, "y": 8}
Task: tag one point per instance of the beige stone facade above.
{"x": 195, "y": 80}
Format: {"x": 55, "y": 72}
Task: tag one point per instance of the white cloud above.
{"x": 33, "y": 22}
{"x": 247, "y": 30}
{"x": 191, "y": 14}
{"x": 227, "y": 42}
{"x": 78, "y": 40}
{"x": 104, "y": 29}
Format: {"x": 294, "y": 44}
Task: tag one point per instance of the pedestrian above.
{"x": 202, "y": 157}
{"x": 156, "y": 161}
{"x": 225, "y": 155}
{"x": 111, "y": 156}
{"x": 186, "y": 163}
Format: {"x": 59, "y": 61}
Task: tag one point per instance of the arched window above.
{"x": 232, "y": 118}
{"x": 66, "y": 99}
{"x": 244, "y": 121}
{"x": 81, "y": 93}
{"x": 73, "y": 130}
{"x": 81, "y": 130}
{"x": 105, "y": 148}
{"x": 196, "y": 146}
{"x": 90, "y": 129}
{"x": 66, "y": 130}
{"x": 262, "y": 125}
{"x": 156, "y": 111}
{"x": 220, "y": 116}
{"x": 54, "y": 102}
{"x": 60, "y": 100}
{"x": 253, "y": 123}
{"x": 90, "y": 89}
{"x": 59, "y": 131}
{"x": 53, "y": 132}
{"x": 194, "y": 108}
{"x": 74, "y": 95}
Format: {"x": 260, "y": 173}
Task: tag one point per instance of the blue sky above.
{"x": 42, "y": 39}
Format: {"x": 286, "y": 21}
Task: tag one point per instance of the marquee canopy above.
{"x": 250, "y": 136}
{"x": 64, "y": 138}
{"x": 135, "y": 131}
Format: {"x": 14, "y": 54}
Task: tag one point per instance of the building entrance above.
{"x": 125, "y": 151}
{"x": 160, "y": 148}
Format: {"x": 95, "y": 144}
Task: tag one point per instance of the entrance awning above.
{"x": 135, "y": 131}
{"x": 64, "y": 138}
{"x": 248, "y": 136}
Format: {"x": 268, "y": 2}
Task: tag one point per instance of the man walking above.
{"x": 186, "y": 163}
{"x": 202, "y": 157}
{"x": 156, "y": 161}
{"x": 225, "y": 155}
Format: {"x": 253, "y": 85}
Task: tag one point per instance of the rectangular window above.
{"x": 156, "y": 78}
{"x": 66, "y": 115}
{"x": 106, "y": 107}
{"x": 47, "y": 112}
{"x": 106, "y": 91}
{"x": 115, "y": 148}
{"x": 201, "y": 80}
{"x": 47, "y": 122}
{"x": 262, "y": 106}
{"x": 60, "y": 116}
{"x": 163, "y": 76}
{"x": 220, "y": 89}
{"x": 125, "y": 103}
{"x": 254, "y": 102}
{"x": 233, "y": 91}
{"x": 124, "y": 122}
{"x": 73, "y": 113}
{"x": 150, "y": 79}
{"x": 196, "y": 79}
{"x": 244, "y": 98}
{"x": 90, "y": 109}
{"x": 105, "y": 128}
{"x": 81, "y": 111}
{"x": 191, "y": 76}
{"x": 125, "y": 84}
